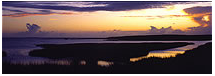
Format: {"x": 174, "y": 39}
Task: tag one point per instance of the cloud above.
{"x": 200, "y": 30}
{"x": 199, "y": 10}
{"x": 34, "y": 14}
{"x": 90, "y": 6}
{"x": 80, "y": 6}
{"x": 12, "y": 10}
{"x": 40, "y": 12}
{"x": 32, "y": 28}
{"x": 34, "y": 31}
{"x": 159, "y": 16}
{"x": 163, "y": 30}
{"x": 202, "y": 16}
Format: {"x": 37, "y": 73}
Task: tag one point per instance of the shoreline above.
{"x": 165, "y": 37}
{"x": 102, "y": 51}
{"x": 161, "y": 38}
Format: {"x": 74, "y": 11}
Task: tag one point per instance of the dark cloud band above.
{"x": 109, "y": 6}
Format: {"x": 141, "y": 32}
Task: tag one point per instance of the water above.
{"x": 17, "y": 50}
{"x": 171, "y": 52}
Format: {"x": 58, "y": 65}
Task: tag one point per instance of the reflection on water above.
{"x": 22, "y": 60}
{"x": 170, "y": 52}
{"x": 163, "y": 54}
{"x": 105, "y": 63}
{"x": 17, "y": 51}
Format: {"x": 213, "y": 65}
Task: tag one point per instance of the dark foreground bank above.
{"x": 195, "y": 61}
{"x": 4, "y": 54}
{"x": 162, "y": 38}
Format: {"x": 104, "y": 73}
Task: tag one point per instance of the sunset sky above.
{"x": 103, "y": 19}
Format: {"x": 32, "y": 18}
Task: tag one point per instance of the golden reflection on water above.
{"x": 163, "y": 54}
{"x": 105, "y": 63}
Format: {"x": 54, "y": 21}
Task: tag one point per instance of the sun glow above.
{"x": 206, "y": 18}
{"x": 164, "y": 17}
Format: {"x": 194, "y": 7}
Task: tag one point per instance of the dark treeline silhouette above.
{"x": 135, "y": 38}
{"x": 162, "y": 38}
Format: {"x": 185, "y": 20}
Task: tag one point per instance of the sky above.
{"x": 105, "y": 18}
